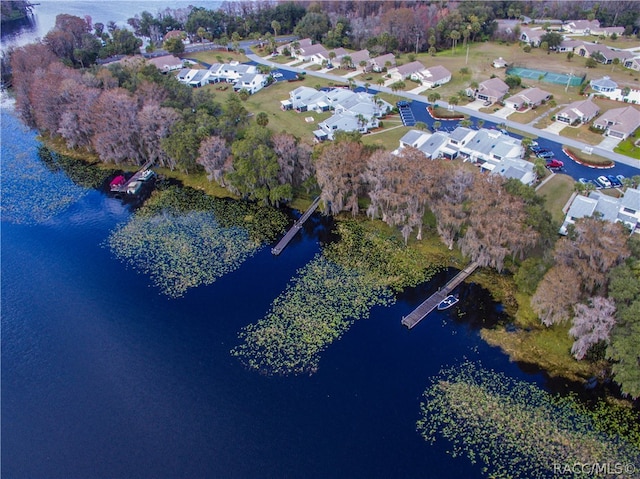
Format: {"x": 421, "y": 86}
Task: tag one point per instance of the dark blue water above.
{"x": 103, "y": 377}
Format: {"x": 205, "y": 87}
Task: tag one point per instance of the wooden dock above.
{"x": 282, "y": 244}
{"x": 432, "y": 301}
{"x": 136, "y": 176}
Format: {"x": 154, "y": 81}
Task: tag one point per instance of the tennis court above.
{"x": 549, "y": 77}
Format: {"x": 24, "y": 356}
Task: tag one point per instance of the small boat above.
{"x": 146, "y": 175}
{"x": 134, "y": 187}
{"x": 447, "y": 302}
{"x": 117, "y": 183}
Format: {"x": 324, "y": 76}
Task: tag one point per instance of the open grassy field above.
{"x": 557, "y": 192}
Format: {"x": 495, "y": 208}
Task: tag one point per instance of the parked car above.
{"x": 545, "y": 154}
{"x": 584, "y": 181}
{"x": 603, "y": 181}
{"x": 277, "y": 75}
{"x": 621, "y": 178}
{"x": 487, "y": 103}
{"x": 402, "y": 104}
{"x": 554, "y": 163}
{"x": 615, "y": 182}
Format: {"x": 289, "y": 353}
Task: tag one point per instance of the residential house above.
{"x": 305, "y": 42}
{"x": 532, "y": 36}
{"x": 581, "y": 27}
{"x": 432, "y": 76}
{"x": 619, "y": 122}
{"x": 629, "y": 212}
{"x": 516, "y": 168}
{"x": 353, "y": 111}
{"x": 625, "y": 209}
{"x": 336, "y": 123}
{"x": 229, "y": 72}
{"x": 379, "y": 64}
{"x": 487, "y": 148}
{"x": 632, "y": 63}
{"x": 405, "y": 71}
{"x": 166, "y": 63}
{"x": 608, "y": 31}
{"x": 192, "y": 77}
{"x": 251, "y": 82}
{"x": 359, "y": 57}
{"x": 529, "y": 98}
{"x": 568, "y": 45}
{"x": 490, "y": 149}
{"x": 603, "y": 85}
{"x": 603, "y": 53}
{"x": 314, "y": 53}
{"x": 493, "y": 90}
{"x": 578, "y": 112}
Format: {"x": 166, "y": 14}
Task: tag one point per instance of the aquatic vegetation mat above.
{"x": 517, "y": 430}
{"x": 183, "y": 239}
{"x": 31, "y": 192}
{"x": 315, "y": 309}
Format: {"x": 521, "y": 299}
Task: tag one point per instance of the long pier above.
{"x": 136, "y": 176}
{"x": 282, "y": 244}
{"x": 434, "y": 300}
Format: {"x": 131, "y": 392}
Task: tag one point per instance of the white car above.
{"x": 277, "y": 75}
{"x": 604, "y": 181}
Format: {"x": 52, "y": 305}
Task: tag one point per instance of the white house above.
{"x": 582, "y": 111}
{"x": 432, "y": 76}
{"x": 305, "y": 42}
{"x": 581, "y": 27}
{"x": 531, "y": 97}
{"x": 405, "y": 71}
{"x": 229, "y": 72}
{"x": 632, "y": 63}
{"x": 619, "y": 122}
{"x": 532, "y": 36}
{"x": 353, "y": 111}
{"x": 382, "y": 62}
{"x": 493, "y": 90}
{"x": 516, "y": 168}
{"x": 487, "y": 148}
{"x": 193, "y": 77}
{"x": 251, "y": 82}
{"x": 603, "y": 85}
{"x": 625, "y": 209}
{"x": 166, "y": 63}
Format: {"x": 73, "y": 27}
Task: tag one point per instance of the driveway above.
{"x": 504, "y": 112}
{"x": 475, "y": 105}
{"x": 556, "y": 127}
{"x": 609, "y": 143}
{"x": 419, "y": 89}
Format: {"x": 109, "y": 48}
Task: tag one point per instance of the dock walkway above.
{"x": 282, "y": 244}
{"x": 136, "y": 176}
{"x": 432, "y": 301}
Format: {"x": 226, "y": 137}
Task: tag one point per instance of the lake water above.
{"x": 103, "y": 377}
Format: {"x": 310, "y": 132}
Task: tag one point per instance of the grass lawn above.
{"x": 556, "y": 193}
{"x": 218, "y": 56}
{"x": 530, "y": 115}
{"x": 268, "y": 100}
{"x": 628, "y": 148}
{"x": 583, "y": 134}
{"x": 589, "y": 159}
{"x": 388, "y": 138}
